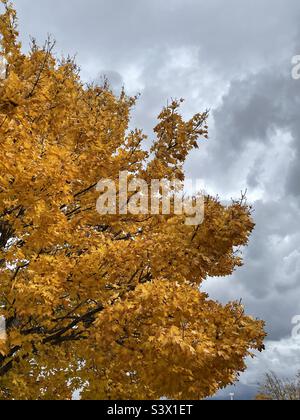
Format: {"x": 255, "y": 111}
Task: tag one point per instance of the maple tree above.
{"x": 108, "y": 304}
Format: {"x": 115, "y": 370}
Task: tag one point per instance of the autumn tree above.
{"x": 275, "y": 388}
{"x": 107, "y": 304}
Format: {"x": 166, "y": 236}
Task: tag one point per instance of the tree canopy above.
{"x": 106, "y": 304}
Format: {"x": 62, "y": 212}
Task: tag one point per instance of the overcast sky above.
{"x": 233, "y": 57}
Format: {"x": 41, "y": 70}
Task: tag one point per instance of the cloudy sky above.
{"x": 233, "y": 57}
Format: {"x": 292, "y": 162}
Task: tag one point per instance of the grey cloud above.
{"x": 269, "y": 281}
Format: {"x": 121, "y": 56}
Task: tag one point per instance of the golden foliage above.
{"x": 107, "y": 304}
